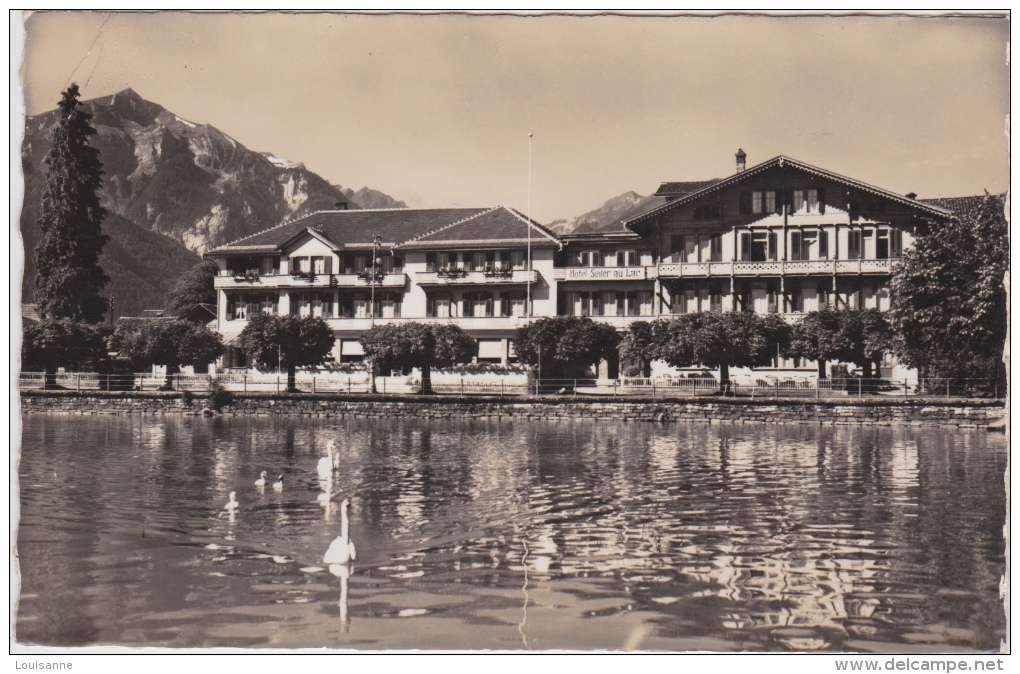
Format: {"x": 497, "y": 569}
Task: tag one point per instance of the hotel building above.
{"x": 782, "y": 237}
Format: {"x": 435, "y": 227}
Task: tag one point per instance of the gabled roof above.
{"x": 499, "y": 225}
{"x": 962, "y": 206}
{"x": 782, "y": 162}
{"x": 676, "y": 190}
{"x": 395, "y": 227}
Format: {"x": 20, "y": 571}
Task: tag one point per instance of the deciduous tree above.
{"x": 420, "y": 345}
{"x": 566, "y": 346}
{"x": 69, "y": 278}
{"x": 721, "y": 339}
{"x": 194, "y": 286}
{"x": 286, "y": 341}
{"x": 861, "y": 337}
{"x": 168, "y": 342}
{"x": 61, "y": 342}
{"x": 948, "y": 307}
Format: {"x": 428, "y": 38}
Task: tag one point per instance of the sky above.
{"x": 436, "y": 110}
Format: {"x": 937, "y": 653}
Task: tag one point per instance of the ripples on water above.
{"x": 511, "y": 535}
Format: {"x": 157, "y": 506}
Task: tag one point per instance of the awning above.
{"x": 351, "y": 347}
{"x": 230, "y": 335}
{"x": 490, "y": 348}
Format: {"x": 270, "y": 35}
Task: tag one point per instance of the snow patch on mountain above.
{"x": 282, "y": 163}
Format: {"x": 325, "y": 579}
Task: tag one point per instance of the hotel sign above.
{"x": 604, "y": 273}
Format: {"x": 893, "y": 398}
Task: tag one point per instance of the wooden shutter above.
{"x": 821, "y": 200}
{"x": 745, "y": 203}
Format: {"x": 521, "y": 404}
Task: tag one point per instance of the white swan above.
{"x": 328, "y": 462}
{"x": 341, "y": 550}
{"x": 232, "y": 503}
{"x": 261, "y": 482}
{"x": 331, "y": 448}
{"x": 278, "y": 485}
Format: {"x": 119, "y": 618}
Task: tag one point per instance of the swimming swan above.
{"x": 232, "y": 503}
{"x": 341, "y": 550}
{"x": 278, "y": 485}
{"x": 261, "y": 482}
{"x": 327, "y": 463}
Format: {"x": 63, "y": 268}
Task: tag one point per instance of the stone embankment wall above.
{"x": 871, "y": 411}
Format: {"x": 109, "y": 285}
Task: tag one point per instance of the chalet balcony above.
{"x": 774, "y": 268}
{"x": 488, "y": 277}
{"x": 231, "y": 281}
{"x": 604, "y": 273}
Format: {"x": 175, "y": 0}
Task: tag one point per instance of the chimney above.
{"x": 741, "y": 160}
{"x": 911, "y": 195}
{"x": 340, "y": 205}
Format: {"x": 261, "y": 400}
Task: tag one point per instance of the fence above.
{"x": 511, "y": 385}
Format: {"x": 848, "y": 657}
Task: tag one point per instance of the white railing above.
{"x": 230, "y": 281}
{"x": 773, "y": 267}
{"x": 476, "y": 277}
{"x": 760, "y": 385}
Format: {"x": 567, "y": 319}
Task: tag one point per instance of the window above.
{"x": 806, "y": 201}
{"x": 632, "y": 303}
{"x": 389, "y": 305}
{"x": 518, "y": 259}
{"x": 854, "y": 244}
{"x": 679, "y": 302}
{"x": 882, "y": 245}
{"x": 269, "y": 266}
{"x": 589, "y": 258}
{"x": 715, "y": 247}
{"x": 676, "y": 247}
{"x": 437, "y": 305}
{"x": 478, "y": 304}
{"x": 715, "y": 298}
{"x": 796, "y": 295}
{"x": 626, "y": 258}
{"x": 796, "y": 246}
{"x": 355, "y": 264}
{"x": 269, "y": 304}
{"x": 237, "y": 307}
{"x": 823, "y": 245}
{"x": 511, "y": 303}
{"x": 691, "y": 248}
{"x": 758, "y": 246}
{"x": 759, "y": 202}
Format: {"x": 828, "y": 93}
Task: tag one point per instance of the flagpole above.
{"x": 530, "y": 274}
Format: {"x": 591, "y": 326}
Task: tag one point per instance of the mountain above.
{"x": 366, "y": 197}
{"x": 172, "y": 189}
{"x": 609, "y": 216}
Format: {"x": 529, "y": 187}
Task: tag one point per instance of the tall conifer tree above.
{"x": 69, "y": 278}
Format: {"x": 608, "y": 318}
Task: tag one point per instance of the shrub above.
{"x": 219, "y": 397}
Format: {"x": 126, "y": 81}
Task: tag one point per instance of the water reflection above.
{"x": 512, "y": 535}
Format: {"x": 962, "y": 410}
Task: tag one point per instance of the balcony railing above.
{"x": 773, "y": 268}
{"x": 387, "y": 280}
{"x": 445, "y": 277}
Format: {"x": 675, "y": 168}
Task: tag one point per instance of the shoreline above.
{"x": 872, "y": 410}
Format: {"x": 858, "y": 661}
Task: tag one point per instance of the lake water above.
{"x": 510, "y": 535}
